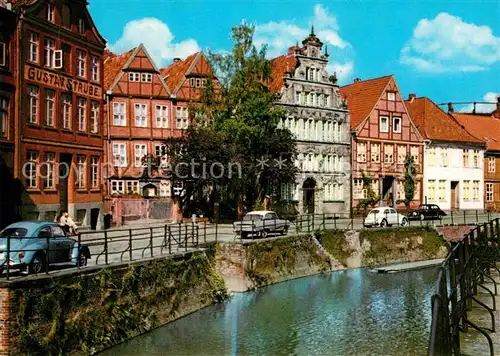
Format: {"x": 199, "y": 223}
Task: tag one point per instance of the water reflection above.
{"x": 354, "y": 312}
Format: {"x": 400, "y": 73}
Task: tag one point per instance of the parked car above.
{"x": 261, "y": 223}
{"x": 29, "y": 242}
{"x": 426, "y": 212}
{"x": 385, "y": 216}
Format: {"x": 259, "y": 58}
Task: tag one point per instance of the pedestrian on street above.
{"x": 67, "y": 224}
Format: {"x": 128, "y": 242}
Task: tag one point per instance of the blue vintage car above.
{"x": 29, "y": 242}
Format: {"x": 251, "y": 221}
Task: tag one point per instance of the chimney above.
{"x": 450, "y": 108}
{"x": 411, "y": 97}
{"x": 176, "y": 60}
{"x": 357, "y": 80}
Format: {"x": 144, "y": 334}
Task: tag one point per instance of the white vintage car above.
{"x": 385, "y": 216}
{"x": 260, "y": 223}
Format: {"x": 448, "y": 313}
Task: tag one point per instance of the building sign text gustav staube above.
{"x": 62, "y": 82}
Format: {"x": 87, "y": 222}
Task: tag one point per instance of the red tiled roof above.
{"x": 362, "y": 97}
{"x": 175, "y": 73}
{"x": 483, "y": 126}
{"x": 113, "y": 65}
{"x": 434, "y": 124}
{"x": 280, "y": 66}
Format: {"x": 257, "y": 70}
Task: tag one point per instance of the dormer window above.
{"x": 81, "y": 26}
{"x": 50, "y": 12}
{"x": 391, "y": 96}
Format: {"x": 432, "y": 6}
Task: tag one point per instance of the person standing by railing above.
{"x": 66, "y": 223}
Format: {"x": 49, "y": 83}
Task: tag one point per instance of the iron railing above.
{"x": 466, "y": 268}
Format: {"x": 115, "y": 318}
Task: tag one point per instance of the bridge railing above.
{"x": 465, "y": 270}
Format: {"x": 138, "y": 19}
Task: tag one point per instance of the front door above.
{"x": 309, "y": 190}
{"x": 454, "y": 195}
{"x": 64, "y": 171}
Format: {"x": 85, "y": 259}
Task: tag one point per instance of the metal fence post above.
{"x": 130, "y": 244}
{"x": 169, "y": 240}
{"x": 335, "y": 221}
{"x": 197, "y": 235}
{"x": 151, "y": 242}
{"x": 180, "y": 235}
{"x": 451, "y": 213}
{"x": 216, "y": 230}
{"x": 186, "y": 238}
{"x": 192, "y": 232}
{"x": 205, "y": 231}
{"x": 79, "y": 248}
{"x": 477, "y": 218}
{"x": 465, "y": 220}
{"x": 105, "y": 247}
{"x": 47, "y": 260}
{"x": 7, "y": 259}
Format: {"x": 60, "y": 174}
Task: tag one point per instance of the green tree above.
{"x": 409, "y": 180}
{"x": 371, "y": 198}
{"x": 236, "y": 127}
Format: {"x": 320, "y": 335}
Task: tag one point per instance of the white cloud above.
{"x": 279, "y": 36}
{"x": 448, "y": 44}
{"x": 484, "y": 108}
{"x": 157, "y": 38}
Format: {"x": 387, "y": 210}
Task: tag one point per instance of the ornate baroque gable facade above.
{"x": 319, "y": 120}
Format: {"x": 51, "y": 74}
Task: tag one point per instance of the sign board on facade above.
{"x": 61, "y": 82}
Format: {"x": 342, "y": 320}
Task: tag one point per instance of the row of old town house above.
{"x": 71, "y": 113}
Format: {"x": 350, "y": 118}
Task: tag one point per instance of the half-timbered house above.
{"x": 383, "y": 135}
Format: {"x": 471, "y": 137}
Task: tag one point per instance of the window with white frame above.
{"x": 140, "y": 151}
{"x": 338, "y": 132}
{"x": 50, "y": 12}
{"x": 146, "y": 77}
{"x": 358, "y": 191}
{"x": 81, "y": 26}
{"x": 444, "y": 156}
{"x": 50, "y": 102}
{"x": 287, "y": 190}
{"x": 414, "y": 153}
{"x": 391, "y": 96}
{"x": 161, "y": 116}
{"x": 491, "y": 164}
{"x": 48, "y": 50}
{"x": 489, "y": 191}
{"x": 431, "y": 155}
{"x": 310, "y": 101}
{"x": 401, "y": 154}
{"x": 94, "y": 172}
{"x": 66, "y": 108}
{"x": 181, "y": 117}
{"x": 4, "y": 116}
{"x": 297, "y": 97}
{"x": 332, "y": 191}
{"x": 94, "y": 117}
{"x": 442, "y": 190}
{"x": 141, "y": 115}
{"x": 384, "y": 124}
{"x": 431, "y": 190}
{"x": 160, "y": 150}
{"x": 117, "y": 187}
{"x": 465, "y": 158}
{"x": 33, "y": 47}
{"x": 81, "y": 57}
{"x": 134, "y": 77}
{"x": 164, "y": 188}
{"x": 119, "y": 155}
{"x": 476, "y": 158}
{"x": 33, "y": 104}
{"x": 94, "y": 68}
{"x": 82, "y": 114}
{"x": 466, "y": 190}
{"x": 375, "y": 186}
{"x": 119, "y": 114}
{"x": 48, "y": 177}
{"x": 361, "y": 148}
{"x": 396, "y": 124}
{"x": 81, "y": 172}
{"x": 400, "y": 190}
{"x": 475, "y": 190}
{"x": 388, "y": 153}
{"x": 375, "y": 152}
{"x": 31, "y": 169}
{"x": 132, "y": 187}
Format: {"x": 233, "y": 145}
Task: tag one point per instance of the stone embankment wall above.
{"x": 86, "y": 312}
{"x": 245, "y": 266}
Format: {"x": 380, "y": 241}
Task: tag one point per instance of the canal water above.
{"x": 353, "y": 312}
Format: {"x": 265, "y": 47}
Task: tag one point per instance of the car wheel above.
{"x": 404, "y": 222}
{"x": 37, "y": 264}
{"x": 244, "y": 235}
{"x": 82, "y": 260}
{"x": 383, "y": 223}
{"x": 422, "y": 217}
{"x": 263, "y": 234}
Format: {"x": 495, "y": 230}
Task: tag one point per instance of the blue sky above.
{"x": 446, "y": 50}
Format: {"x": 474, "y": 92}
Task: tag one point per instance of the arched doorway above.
{"x": 309, "y": 188}
{"x": 149, "y": 190}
